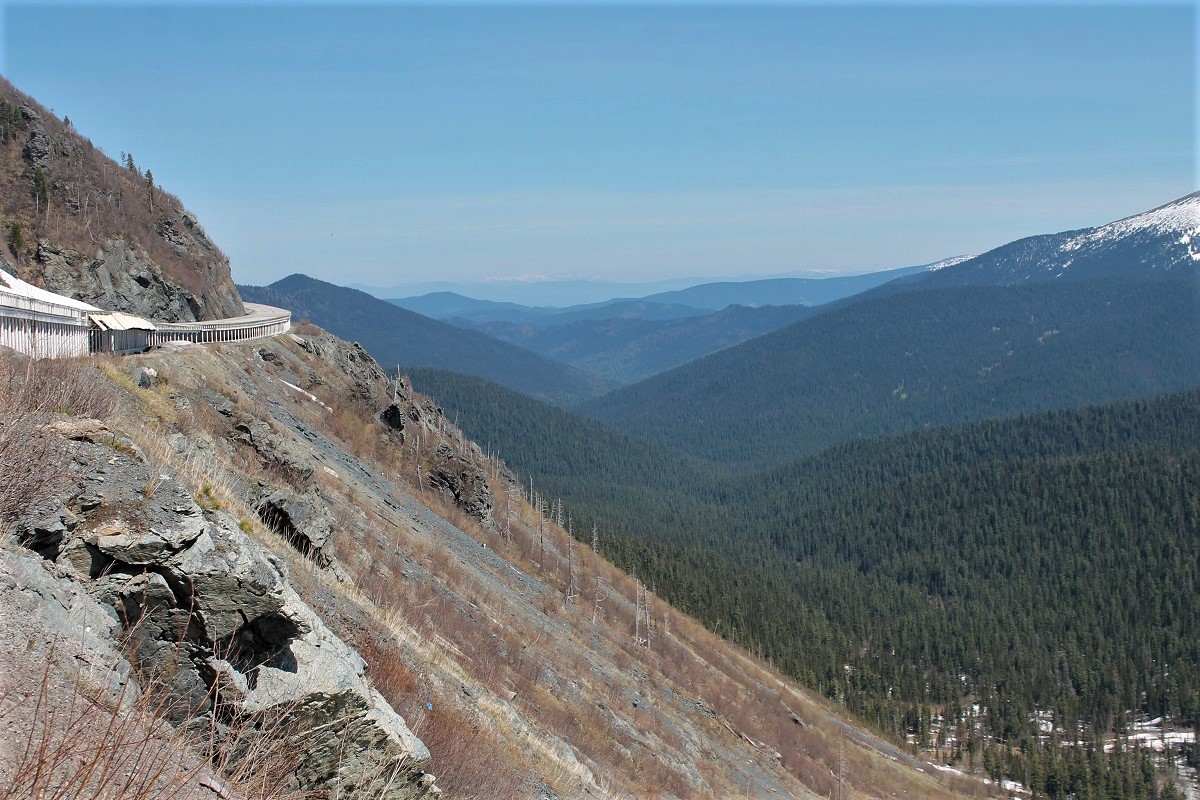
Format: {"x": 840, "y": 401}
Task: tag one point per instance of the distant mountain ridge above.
{"x": 1162, "y": 240}
{"x": 692, "y": 301}
{"x": 630, "y": 350}
{"x": 1046, "y": 322}
{"x": 632, "y": 339}
{"x": 787, "y": 291}
{"x": 398, "y": 337}
{"x": 444, "y": 305}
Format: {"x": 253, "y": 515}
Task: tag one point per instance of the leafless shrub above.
{"x": 471, "y": 760}
{"x": 76, "y": 743}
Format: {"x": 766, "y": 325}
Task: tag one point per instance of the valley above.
{"x": 563, "y": 524}
{"x": 888, "y": 552}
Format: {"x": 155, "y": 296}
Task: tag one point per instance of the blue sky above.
{"x": 390, "y": 144}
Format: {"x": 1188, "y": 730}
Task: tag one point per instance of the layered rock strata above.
{"x": 209, "y": 613}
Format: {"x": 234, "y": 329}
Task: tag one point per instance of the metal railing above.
{"x": 261, "y": 322}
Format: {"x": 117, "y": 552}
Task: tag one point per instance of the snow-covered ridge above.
{"x": 948, "y": 262}
{"x": 1181, "y": 217}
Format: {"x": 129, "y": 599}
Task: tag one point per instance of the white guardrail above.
{"x": 16, "y": 302}
{"x": 44, "y": 329}
{"x": 260, "y": 322}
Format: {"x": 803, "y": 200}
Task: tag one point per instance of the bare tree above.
{"x": 637, "y": 609}
{"x": 541, "y": 533}
{"x": 571, "y": 590}
{"x": 598, "y": 599}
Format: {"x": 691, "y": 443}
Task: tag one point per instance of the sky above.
{"x": 395, "y": 144}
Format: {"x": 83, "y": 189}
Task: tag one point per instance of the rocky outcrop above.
{"x": 460, "y": 479}
{"x": 276, "y": 451}
{"x": 119, "y": 277}
{"x": 103, "y": 232}
{"x": 37, "y": 146}
{"x": 393, "y": 417}
{"x": 351, "y": 359}
{"x": 303, "y": 520}
{"x": 210, "y": 613}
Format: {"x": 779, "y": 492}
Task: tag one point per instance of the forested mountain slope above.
{"x": 396, "y": 336}
{"x": 1057, "y": 576}
{"x": 1012, "y": 561}
{"x": 936, "y": 357}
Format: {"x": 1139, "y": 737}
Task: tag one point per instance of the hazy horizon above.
{"x": 393, "y": 144}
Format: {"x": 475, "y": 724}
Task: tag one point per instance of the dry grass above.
{"x": 77, "y": 743}
{"x": 32, "y": 465}
{"x": 473, "y": 760}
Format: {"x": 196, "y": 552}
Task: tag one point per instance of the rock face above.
{"x": 37, "y": 146}
{"x": 301, "y": 519}
{"x": 126, "y": 245}
{"x": 210, "y": 612}
{"x": 461, "y": 480}
{"x": 119, "y": 277}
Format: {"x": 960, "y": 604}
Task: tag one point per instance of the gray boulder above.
{"x": 463, "y": 481}
{"x": 363, "y": 746}
{"x": 209, "y": 612}
{"x": 37, "y": 597}
{"x": 275, "y": 450}
{"x": 303, "y": 520}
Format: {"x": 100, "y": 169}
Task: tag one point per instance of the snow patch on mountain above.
{"x": 1181, "y": 216}
{"x": 947, "y": 262}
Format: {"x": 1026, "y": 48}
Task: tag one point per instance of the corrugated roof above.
{"x": 118, "y": 321}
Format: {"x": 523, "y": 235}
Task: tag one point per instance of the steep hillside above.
{"x": 935, "y": 357}
{"x": 526, "y": 664}
{"x": 629, "y": 350}
{"x": 398, "y": 337}
{"x": 1007, "y": 562}
{"x": 79, "y": 224}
